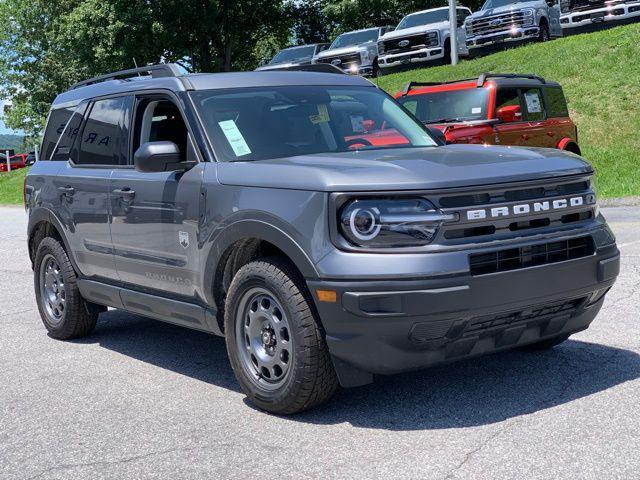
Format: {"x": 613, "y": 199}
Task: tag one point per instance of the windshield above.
{"x": 424, "y": 18}
{"x": 451, "y": 106}
{"x": 293, "y": 54}
{"x": 263, "y": 123}
{"x": 500, "y": 3}
{"x": 355, "y": 38}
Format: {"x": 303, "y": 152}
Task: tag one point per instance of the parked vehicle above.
{"x": 422, "y": 37}
{"x": 17, "y": 161}
{"x": 294, "y": 56}
{"x": 495, "y": 109}
{"x": 354, "y": 52}
{"x": 504, "y": 22}
{"x": 31, "y": 158}
{"x": 246, "y": 205}
{"x": 579, "y": 14}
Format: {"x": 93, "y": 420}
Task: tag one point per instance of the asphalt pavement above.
{"x": 143, "y": 399}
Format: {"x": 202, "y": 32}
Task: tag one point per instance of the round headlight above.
{"x": 365, "y": 223}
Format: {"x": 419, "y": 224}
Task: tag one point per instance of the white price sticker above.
{"x": 235, "y": 138}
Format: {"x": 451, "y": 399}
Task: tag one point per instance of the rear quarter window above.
{"x": 556, "y": 102}
{"x": 61, "y": 131}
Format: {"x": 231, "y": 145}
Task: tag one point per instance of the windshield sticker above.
{"x": 357, "y": 123}
{"x": 235, "y": 138}
{"x": 476, "y": 110}
{"x": 533, "y": 102}
{"x": 322, "y": 116}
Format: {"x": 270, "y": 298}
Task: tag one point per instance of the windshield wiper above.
{"x": 445, "y": 120}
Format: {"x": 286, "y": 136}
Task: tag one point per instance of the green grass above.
{"x": 600, "y": 73}
{"x": 11, "y": 186}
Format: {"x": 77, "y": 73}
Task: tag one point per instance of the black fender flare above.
{"x": 42, "y": 214}
{"x": 257, "y": 229}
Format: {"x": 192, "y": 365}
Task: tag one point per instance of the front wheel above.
{"x": 274, "y": 342}
{"x": 544, "y": 33}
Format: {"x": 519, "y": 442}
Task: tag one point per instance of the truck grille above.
{"x": 530, "y": 256}
{"x": 409, "y": 43}
{"x": 345, "y": 60}
{"x": 495, "y": 23}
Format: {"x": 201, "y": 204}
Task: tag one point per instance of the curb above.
{"x": 633, "y": 201}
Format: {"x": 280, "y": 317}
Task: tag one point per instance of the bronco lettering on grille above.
{"x": 530, "y": 207}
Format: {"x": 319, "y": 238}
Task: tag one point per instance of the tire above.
{"x": 446, "y": 59}
{"x": 64, "y": 312}
{"x": 544, "y": 32}
{"x": 275, "y": 344}
{"x": 544, "y": 344}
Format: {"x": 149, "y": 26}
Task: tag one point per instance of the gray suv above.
{"x": 312, "y": 221}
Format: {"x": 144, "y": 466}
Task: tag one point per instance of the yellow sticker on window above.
{"x": 322, "y": 116}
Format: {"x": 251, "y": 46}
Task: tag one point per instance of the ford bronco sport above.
{"x": 240, "y": 204}
{"x": 495, "y": 109}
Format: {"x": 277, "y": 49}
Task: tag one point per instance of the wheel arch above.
{"x": 241, "y": 243}
{"x": 44, "y": 223}
{"x": 569, "y": 145}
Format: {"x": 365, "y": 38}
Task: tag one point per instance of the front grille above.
{"x": 565, "y": 308}
{"x": 345, "y": 60}
{"x": 530, "y": 256}
{"x": 413, "y": 42}
{"x": 495, "y": 23}
{"x": 513, "y": 195}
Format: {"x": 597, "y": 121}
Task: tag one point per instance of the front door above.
{"x": 155, "y": 215}
{"x": 515, "y": 132}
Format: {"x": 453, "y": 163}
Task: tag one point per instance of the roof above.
{"x": 207, "y": 81}
{"x": 501, "y": 80}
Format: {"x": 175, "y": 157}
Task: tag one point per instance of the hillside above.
{"x": 8, "y": 141}
{"x": 600, "y": 73}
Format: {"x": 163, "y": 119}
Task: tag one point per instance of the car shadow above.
{"x": 476, "y": 392}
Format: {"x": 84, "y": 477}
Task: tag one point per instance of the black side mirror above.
{"x": 438, "y": 135}
{"x": 159, "y": 157}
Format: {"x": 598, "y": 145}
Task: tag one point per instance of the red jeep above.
{"x": 495, "y": 109}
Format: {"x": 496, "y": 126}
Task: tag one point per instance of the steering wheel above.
{"x": 358, "y": 141}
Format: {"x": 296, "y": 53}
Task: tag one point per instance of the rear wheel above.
{"x": 275, "y": 344}
{"x": 64, "y": 312}
{"x": 544, "y": 344}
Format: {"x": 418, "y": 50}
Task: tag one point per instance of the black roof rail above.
{"x": 156, "y": 71}
{"x": 483, "y": 77}
{"x": 314, "y": 67}
{"x": 407, "y": 88}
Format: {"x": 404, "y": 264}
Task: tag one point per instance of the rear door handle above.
{"x": 551, "y": 134}
{"x": 67, "y": 191}
{"x": 524, "y": 136}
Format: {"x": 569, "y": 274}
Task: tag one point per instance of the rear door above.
{"x": 512, "y": 133}
{"x": 83, "y": 183}
{"x": 535, "y": 118}
{"x": 156, "y": 215}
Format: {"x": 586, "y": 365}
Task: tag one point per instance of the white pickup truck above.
{"x": 422, "y": 37}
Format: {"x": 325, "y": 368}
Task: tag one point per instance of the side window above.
{"x": 506, "y": 97}
{"x": 104, "y": 138}
{"x": 160, "y": 120}
{"x": 556, "y": 103}
{"x": 411, "y": 105}
{"x": 533, "y": 107}
{"x": 462, "y": 14}
{"x": 61, "y": 131}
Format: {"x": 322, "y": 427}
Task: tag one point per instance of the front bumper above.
{"x": 391, "y": 326}
{"x": 613, "y": 13}
{"x": 505, "y": 36}
{"x": 415, "y": 56}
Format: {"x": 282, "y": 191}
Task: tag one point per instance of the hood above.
{"x": 273, "y": 66}
{"x": 334, "y": 52}
{"x": 507, "y": 8}
{"x": 406, "y": 32}
{"x": 404, "y": 168}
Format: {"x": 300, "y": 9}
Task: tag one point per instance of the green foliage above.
{"x": 600, "y": 74}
